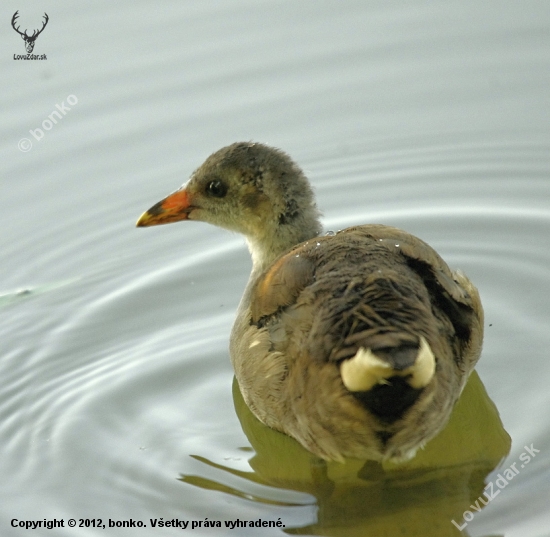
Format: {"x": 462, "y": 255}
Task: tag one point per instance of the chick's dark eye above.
{"x": 216, "y": 188}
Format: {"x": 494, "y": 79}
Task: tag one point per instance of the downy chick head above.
{"x": 250, "y": 188}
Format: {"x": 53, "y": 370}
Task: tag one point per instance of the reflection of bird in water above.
{"x": 419, "y": 497}
{"x": 357, "y": 344}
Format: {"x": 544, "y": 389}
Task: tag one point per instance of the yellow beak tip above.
{"x": 143, "y": 220}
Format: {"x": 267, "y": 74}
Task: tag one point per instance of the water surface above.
{"x": 116, "y": 400}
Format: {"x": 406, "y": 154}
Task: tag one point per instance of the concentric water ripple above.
{"x": 115, "y": 398}
{"x": 139, "y": 366}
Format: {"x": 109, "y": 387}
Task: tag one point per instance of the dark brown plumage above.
{"x": 356, "y": 344}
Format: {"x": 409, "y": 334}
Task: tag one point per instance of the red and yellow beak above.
{"x": 173, "y": 208}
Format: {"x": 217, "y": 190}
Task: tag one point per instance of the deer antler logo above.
{"x": 29, "y": 39}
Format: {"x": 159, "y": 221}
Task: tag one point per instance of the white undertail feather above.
{"x": 423, "y": 368}
{"x": 364, "y": 370}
